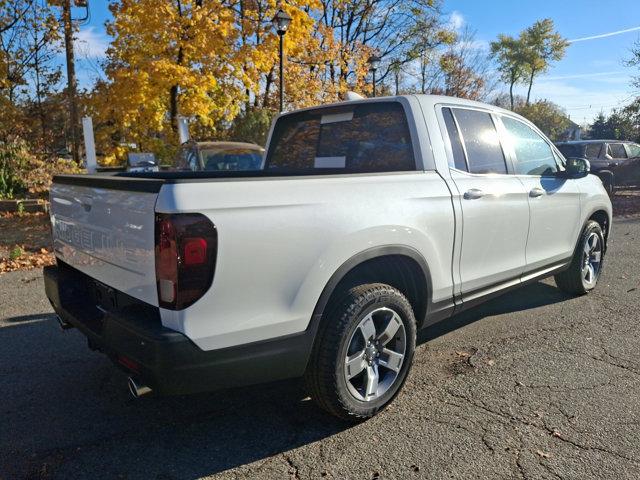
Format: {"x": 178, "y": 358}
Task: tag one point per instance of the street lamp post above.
{"x": 281, "y": 22}
{"x": 374, "y": 63}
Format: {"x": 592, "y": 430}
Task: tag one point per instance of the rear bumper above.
{"x": 131, "y": 334}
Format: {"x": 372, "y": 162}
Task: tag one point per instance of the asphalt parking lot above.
{"x": 531, "y": 385}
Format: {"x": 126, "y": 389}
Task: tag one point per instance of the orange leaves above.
{"x": 26, "y": 260}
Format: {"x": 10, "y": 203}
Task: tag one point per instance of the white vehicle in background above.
{"x": 369, "y": 220}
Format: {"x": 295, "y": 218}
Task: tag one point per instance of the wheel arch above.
{"x": 400, "y": 266}
{"x": 602, "y": 217}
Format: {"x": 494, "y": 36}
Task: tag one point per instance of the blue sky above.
{"x": 589, "y": 79}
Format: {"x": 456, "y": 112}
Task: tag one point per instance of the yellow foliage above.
{"x": 206, "y": 63}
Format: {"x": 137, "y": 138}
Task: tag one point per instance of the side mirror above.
{"x": 576, "y": 168}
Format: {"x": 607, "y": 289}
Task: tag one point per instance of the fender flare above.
{"x": 358, "y": 259}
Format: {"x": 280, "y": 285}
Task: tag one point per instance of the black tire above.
{"x": 326, "y": 373}
{"x": 572, "y": 279}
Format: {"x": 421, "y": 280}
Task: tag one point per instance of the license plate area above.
{"x": 105, "y": 297}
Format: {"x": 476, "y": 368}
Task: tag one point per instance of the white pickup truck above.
{"x": 367, "y": 221}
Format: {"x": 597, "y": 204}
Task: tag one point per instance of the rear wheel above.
{"x": 586, "y": 266}
{"x": 363, "y": 352}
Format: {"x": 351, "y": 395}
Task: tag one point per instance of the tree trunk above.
{"x": 533, "y": 72}
{"x": 511, "y": 93}
{"x": 71, "y": 82}
{"x": 173, "y": 92}
{"x": 173, "y": 107}
{"x": 267, "y": 88}
{"x": 397, "y": 83}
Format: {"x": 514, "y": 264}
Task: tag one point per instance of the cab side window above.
{"x": 480, "y": 141}
{"x": 533, "y": 155}
{"x": 457, "y": 151}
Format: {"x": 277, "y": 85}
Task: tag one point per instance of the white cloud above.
{"x": 91, "y": 43}
{"x": 456, "y": 21}
{"x": 474, "y": 45}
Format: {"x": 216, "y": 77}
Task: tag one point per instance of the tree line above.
{"x": 216, "y": 63}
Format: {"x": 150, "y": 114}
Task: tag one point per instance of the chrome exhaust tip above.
{"x": 137, "y": 389}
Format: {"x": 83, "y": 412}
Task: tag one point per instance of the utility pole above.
{"x": 71, "y": 81}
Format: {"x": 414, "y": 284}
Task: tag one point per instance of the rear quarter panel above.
{"x": 281, "y": 240}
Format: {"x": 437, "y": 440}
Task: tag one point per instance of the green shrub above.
{"x": 23, "y": 174}
{"x": 252, "y": 126}
{"x": 16, "y": 253}
{"x": 14, "y": 160}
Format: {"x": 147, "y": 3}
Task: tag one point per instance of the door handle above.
{"x": 473, "y": 194}
{"x": 536, "y": 192}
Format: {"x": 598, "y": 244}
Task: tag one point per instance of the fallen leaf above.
{"x": 543, "y": 454}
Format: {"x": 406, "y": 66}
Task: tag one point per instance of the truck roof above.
{"x": 423, "y": 98}
{"x": 583, "y": 142}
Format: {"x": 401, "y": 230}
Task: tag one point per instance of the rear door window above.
{"x": 368, "y": 138}
{"x": 533, "y": 155}
{"x": 480, "y": 140}
{"x": 617, "y": 150}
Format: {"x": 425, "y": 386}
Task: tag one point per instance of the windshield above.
{"x": 213, "y": 159}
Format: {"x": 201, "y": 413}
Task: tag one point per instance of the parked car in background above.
{"x": 367, "y": 221}
{"x": 219, "y": 156}
{"x": 142, "y": 162}
{"x": 616, "y": 162}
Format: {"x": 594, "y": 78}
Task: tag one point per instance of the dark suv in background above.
{"x": 616, "y": 162}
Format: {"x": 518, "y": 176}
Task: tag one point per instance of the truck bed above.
{"x": 153, "y": 181}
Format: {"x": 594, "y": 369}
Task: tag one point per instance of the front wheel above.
{"x": 363, "y": 352}
{"x": 586, "y": 265}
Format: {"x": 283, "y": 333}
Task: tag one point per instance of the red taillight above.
{"x": 195, "y": 251}
{"x": 186, "y": 249}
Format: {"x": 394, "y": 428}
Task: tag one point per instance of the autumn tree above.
{"x": 509, "y": 54}
{"x": 541, "y": 45}
{"x": 523, "y": 58}
{"x": 466, "y": 69}
{"x": 547, "y": 116}
{"x": 634, "y": 61}
{"x": 430, "y": 36}
{"x": 29, "y": 71}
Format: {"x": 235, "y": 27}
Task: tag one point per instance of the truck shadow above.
{"x": 66, "y": 412}
{"x": 531, "y": 296}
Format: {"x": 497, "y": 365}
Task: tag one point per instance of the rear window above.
{"x": 366, "y": 138}
{"x": 570, "y": 151}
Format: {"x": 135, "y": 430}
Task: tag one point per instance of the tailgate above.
{"x": 107, "y": 233}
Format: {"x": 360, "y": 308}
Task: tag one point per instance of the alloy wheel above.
{"x": 591, "y": 259}
{"x": 375, "y": 354}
